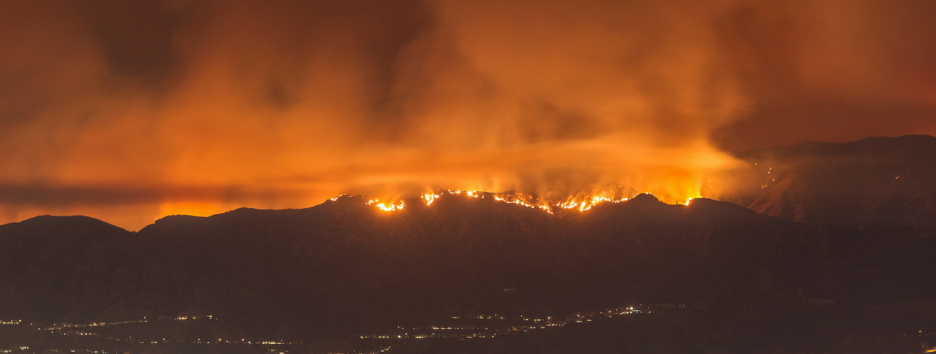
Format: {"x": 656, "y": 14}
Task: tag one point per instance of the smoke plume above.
{"x": 129, "y": 111}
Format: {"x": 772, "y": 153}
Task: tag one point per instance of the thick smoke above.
{"x": 128, "y": 111}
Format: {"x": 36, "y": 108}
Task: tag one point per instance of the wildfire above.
{"x": 583, "y": 201}
{"x": 522, "y": 199}
{"x": 386, "y": 206}
{"x": 580, "y": 202}
{"x": 429, "y": 198}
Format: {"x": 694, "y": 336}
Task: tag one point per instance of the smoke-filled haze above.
{"x": 131, "y": 110}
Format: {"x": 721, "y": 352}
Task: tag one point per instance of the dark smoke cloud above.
{"x": 830, "y": 71}
{"x": 132, "y": 110}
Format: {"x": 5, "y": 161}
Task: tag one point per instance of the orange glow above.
{"x": 581, "y": 202}
{"x": 522, "y": 199}
{"x": 285, "y": 125}
{"x": 191, "y": 208}
{"x": 284, "y": 104}
{"x": 429, "y": 198}
{"x": 386, "y": 206}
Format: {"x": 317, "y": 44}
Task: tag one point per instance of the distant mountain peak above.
{"x": 74, "y": 222}
{"x": 645, "y": 198}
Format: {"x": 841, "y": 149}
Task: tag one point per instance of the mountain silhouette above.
{"x": 833, "y": 252}
{"x": 344, "y": 266}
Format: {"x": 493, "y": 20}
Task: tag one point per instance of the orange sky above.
{"x": 128, "y": 111}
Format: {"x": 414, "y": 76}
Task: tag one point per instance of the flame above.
{"x": 585, "y": 201}
{"x": 581, "y": 202}
{"x": 335, "y": 199}
{"x": 522, "y": 199}
{"x": 429, "y": 198}
{"x": 386, "y": 206}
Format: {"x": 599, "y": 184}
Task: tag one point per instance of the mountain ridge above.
{"x": 459, "y": 242}
{"x": 344, "y": 267}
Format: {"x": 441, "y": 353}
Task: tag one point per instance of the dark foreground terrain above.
{"x": 842, "y": 262}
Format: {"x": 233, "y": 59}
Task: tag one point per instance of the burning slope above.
{"x": 580, "y": 201}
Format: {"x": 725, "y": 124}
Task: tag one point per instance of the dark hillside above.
{"x": 343, "y": 267}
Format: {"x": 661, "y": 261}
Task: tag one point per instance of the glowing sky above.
{"x": 131, "y": 110}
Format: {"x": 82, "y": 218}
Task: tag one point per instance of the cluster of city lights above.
{"x": 502, "y": 325}
{"x": 88, "y": 330}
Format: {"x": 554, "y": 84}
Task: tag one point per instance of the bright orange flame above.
{"x": 429, "y": 198}
{"x": 585, "y": 201}
{"x": 386, "y": 206}
{"x": 581, "y": 202}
